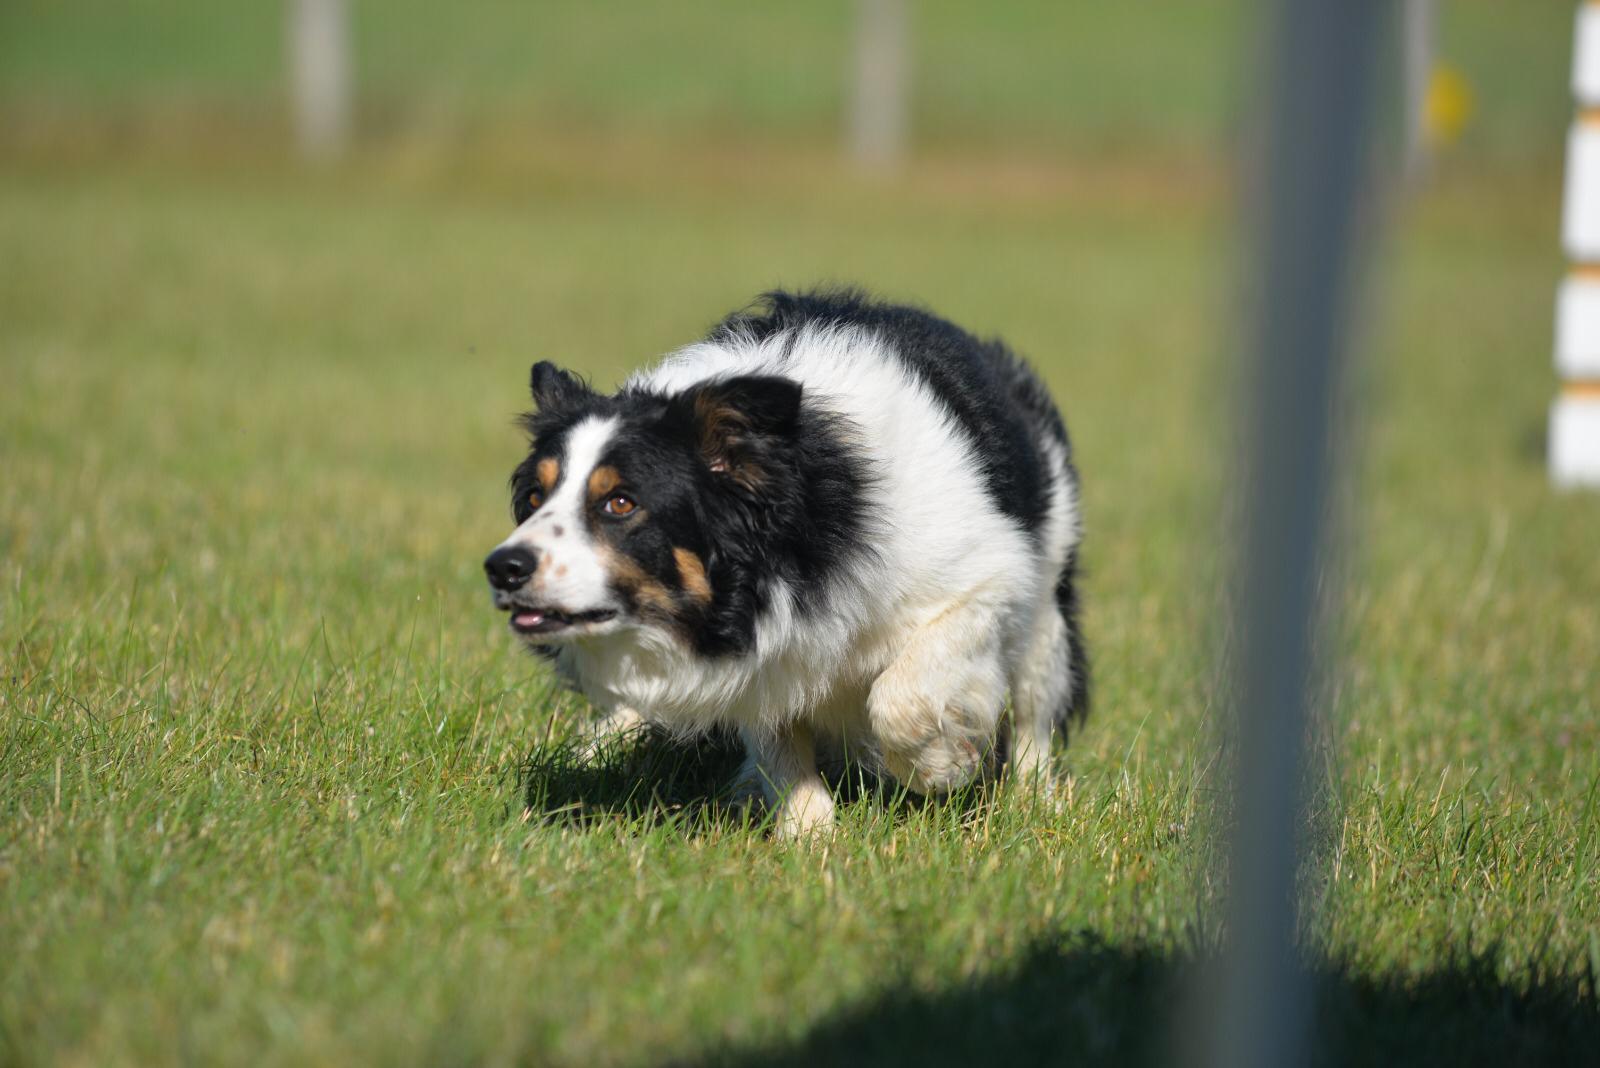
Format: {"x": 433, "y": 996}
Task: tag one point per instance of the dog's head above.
{"x": 625, "y": 504}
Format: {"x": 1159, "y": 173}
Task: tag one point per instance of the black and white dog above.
{"x": 832, "y": 522}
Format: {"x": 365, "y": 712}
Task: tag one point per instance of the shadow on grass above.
{"x": 1085, "y": 1001}
{"x": 653, "y": 777}
{"x": 650, "y": 778}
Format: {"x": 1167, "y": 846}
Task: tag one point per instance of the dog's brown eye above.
{"x": 620, "y": 504}
{"x": 536, "y": 499}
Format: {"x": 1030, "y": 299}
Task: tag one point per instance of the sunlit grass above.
{"x": 276, "y": 787}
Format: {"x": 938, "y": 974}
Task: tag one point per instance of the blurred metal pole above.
{"x": 878, "y": 111}
{"x": 1320, "y": 63}
{"x": 319, "y": 76}
{"x": 1421, "y": 22}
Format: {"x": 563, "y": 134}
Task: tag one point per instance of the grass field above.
{"x": 274, "y": 787}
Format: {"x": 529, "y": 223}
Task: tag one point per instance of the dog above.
{"x": 834, "y": 522}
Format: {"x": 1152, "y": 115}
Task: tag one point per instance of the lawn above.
{"x": 275, "y": 787}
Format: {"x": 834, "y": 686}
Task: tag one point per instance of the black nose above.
{"x": 509, "y": 567}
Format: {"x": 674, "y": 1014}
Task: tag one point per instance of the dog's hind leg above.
{"x": 782, "y": 767}
{"x": 1041, "y": 686}
{"x": 1050, "y": 679}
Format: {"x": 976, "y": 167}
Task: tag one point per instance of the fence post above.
{"x": 1420, "y": 46}
{"x": 319, "y": 76}
{"x": 878, "y": 104}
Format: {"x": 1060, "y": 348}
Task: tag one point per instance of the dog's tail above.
{"x": 1076, "y": 706}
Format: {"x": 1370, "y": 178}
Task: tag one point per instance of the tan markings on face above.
{"x": 602, "y": 480}
{"x": 651, "y": 595}
{"x": 692, "y": 572}
{"x": 548, "y": 471}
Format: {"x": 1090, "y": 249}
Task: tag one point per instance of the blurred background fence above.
{"x": 1111, "y": 78}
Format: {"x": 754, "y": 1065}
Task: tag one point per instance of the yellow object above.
{"x": 1449, "y": 105}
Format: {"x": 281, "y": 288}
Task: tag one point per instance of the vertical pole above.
{"x": 1420, "y": 44}
{"x": 1320, "y": 63}
{"x": 878, "y": 112}
{"x": 319, "y": 76}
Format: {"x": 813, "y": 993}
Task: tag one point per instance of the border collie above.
{"x": 833, "y": 522}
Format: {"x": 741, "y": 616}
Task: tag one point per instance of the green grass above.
{"x": 266, "y": 749}
{"x": 274, "y": 786}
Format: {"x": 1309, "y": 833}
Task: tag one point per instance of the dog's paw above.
{"x": 805, "y": 813}
{"x": 936, "y": 765}
{"x": 605, "y": 737}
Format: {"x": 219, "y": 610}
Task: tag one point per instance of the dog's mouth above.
{"x": 535, "y": 620}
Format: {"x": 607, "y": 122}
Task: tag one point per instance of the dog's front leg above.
{"x": 934, "y": 710}
{"x": 783, "y": 766}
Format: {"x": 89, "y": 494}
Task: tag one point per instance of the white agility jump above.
{"x": 1575, "y": 415}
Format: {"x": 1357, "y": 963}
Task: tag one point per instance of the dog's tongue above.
{"x": 528, "y": 619}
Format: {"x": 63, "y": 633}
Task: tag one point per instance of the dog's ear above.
{"x": 738, "y": 423}
{"x": 553, "y": 388}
